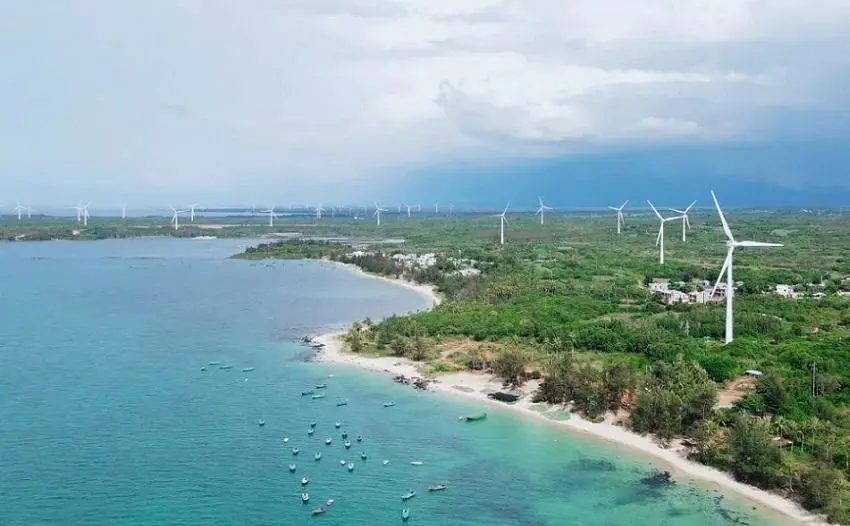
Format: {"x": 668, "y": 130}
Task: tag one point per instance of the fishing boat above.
{"x": 247, "y": 369}
{"x": 295, "y": 450}
{"x": 311, "y": 431}
{"x": 350, "y": 466}
{"x": 312, "y": 425}
{"x": 203, "y": 368}
{"x": 389, "y": 404}
{"x": 405, "y": 514}
{"x": 317, "y": 396}
{"x": 224, "y": 367}
{"x": 329, "y": 503}
{"x": 359, "y": 438}
{"x": 306, "y": 393}
{"x": 347, "y": 444}
{"x": 473, "y": 418}
{"x": 416, "y": 463}
{"x": 363, "y": 455}
{"x": 409, "y": 495}
{"x": 328, "y": 441}
{"x": 438, "y": 487}
{"x": 386, "y": 462}
{"x": 321, "y": 386}
{"x": 317, "y": 456}
{"x": 344, "y": 435}
{"x": 292, "y": 468}
{"x": 319, "y": 511}
{"x": 261, "y": 422}
{"x": 215, "y": 363}
{"x": 284, "y": 440}
{"x": 304, "y": 480}
{"x": 342, "y": 462}
{"x": 342, "y": 403}
{"x": 337, "y": 425}
{"x": 305, "y": 497}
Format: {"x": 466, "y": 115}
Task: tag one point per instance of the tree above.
{"x": 755, "y": 457}
{"x": 354, "y": 341}
{"x": 771, "y": 387}
{"x": 820, "y": 486}
{"x": 618, "y": 379}
{"x": 419, "y": 349}
{"x": 510, "y": 366}
{"x": 399, "y": 346}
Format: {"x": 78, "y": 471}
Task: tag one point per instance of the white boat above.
{"x": 317, "y": 456}
{"x": 261, "y": 422}
{"x": 338, "y": 425}
{"x": 386, "y": 462}
{"x": 304, "y": 481}
{"x": 305, "y": 497}
{"x": 416, "y": 463}
{"x": 247, "y": 369}
{"x": 285, "y": 440}
{"x": 347, "y": 444}
{"x": 328, "y": 441}
{"x": 292, "y": 468}
{"x": 342, "y": 462}
{"x": 311, "y": 431}
{"x": 350, "y": 466}
{"x": 295, "y": 450}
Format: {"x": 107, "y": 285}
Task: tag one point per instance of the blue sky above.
{"x": 224, "y": 102}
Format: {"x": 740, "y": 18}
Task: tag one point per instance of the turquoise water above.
{"x": 107, "y": 418}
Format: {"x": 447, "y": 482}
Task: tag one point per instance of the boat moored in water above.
{"x": 321, "y": 386}
{"x": 247, "y": 369}
{"x": 350, "y": 466}
{"x": 261, "y": 422}
{"x": 304, "y": 480}
{"x": 317, "y": 456}
{"x": 312, "y": 425}
{"x": 473, "y": 418}
{"x": 438, "y": 487}
{"x": 338, "y": 425}
{"x": 347, "y": 444}
{"x": 359, "y": 438}
{"x": 409, "y": 495}
{"x": 405, "y": 514}
{"x": 306, "y": 393}
{"x": 305, "y": 497}
{"x": 342, "y": 403}
{"x": 295, "y": 450}
{"x": 319, "y": 511}
{"x": 363, "y": 455}
{"x": 224, "y": 367}
{"x": 329, "y": 503}
{"x": 389, "y": 404}
{"x": 311, "y": 431}
{"x": 328, "y": 441}
{"x": 292, "y": 468}
{"x": 416, "y": 462}
{"x": 284, "y": 440}
{"x": 317, "y": 396}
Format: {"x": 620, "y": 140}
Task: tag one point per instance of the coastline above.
{"x": 475, "y": 387}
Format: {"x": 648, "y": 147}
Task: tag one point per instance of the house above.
{"x": 657, "y": 287}
{"x": 700, "y": 296}
{"x": 675, "y": 296}
{"x": 787, "y": 291}
{"x": 844, "y": 293}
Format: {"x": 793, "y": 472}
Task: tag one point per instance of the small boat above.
{"x": 224, "y": 367}
{"x": 304, "y": 480}
{"x": 359, "y": 438}
{"x": 284, "y": 440}
{"x": 416, "y": 463}
{"x": 295, "y": 450}
{"x": 203, "y": 368}
{"x": 215, "y": 363}
{"x": 329, "y": 503}
{"x": 473, "y": 418}
{"x": 438, "y": 487}
{"x": 342, "y": 403}
{"x": 389, "y": 404}
{"x": 350, "y": 466}
{"x": 317, "y": 456}
{"x": 312, "y": 425}
{"x": 261, "y": 422}
{"x": 319, "y": 511}
{"x": 317, "y": 396}
{"x": 247, "y": 369}
{"x": 321, "y": 386}
{"x": 409, "y": 495}
{"x": 363, "y": 455}
{"x": 342, "y": 462}
{"x": 344, "y": 435}
{"x": 386, "y": 462}
{"x": 347, "y": 444}
{"x": 292, "y": 468}
{"x": 306, "y": 393}
{"x": 305, "y": 498}
{"x": 311, "y": 431}
{"x": 328, "y": 441}
{"x": 337, "y": 425}
{"x": 405, "y": 514}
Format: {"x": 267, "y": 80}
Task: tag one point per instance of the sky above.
{"x": 285, "y": 101}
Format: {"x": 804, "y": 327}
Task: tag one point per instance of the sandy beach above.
{"x": 476, "y": 386}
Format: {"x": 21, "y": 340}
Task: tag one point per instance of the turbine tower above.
{"x": 86, "y": 214}
{"x": 436, "y": 208}
{"x": 192, "y": 212}
{"x": 175, "y": 218}
{"x": 123, "y": 211}
{"x": 620, "y": 218}
{"x": 378, "y": 211}
{"x": 731, "y": 245}
{"x": 408, "y": 209}
{"x": 659, "y": 241}
{"x": 271, "y": 214}
{"x": 502, "y": 221}
{"x": 319, "y": 211}
{"x": 79, "y": 209}
{"x": 686, "y": 223}
{"x": 542, "y": 209}
{"x": 19, "y": 208}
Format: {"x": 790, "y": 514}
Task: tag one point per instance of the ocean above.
{"x": 106, "y": 416}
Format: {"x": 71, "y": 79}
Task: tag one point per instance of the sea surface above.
{"x": 106, "y": 416}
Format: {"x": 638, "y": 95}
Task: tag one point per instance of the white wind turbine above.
{"x": 175, "y": 219}
{"x": 659, "y": 241}
{"x": 20, "y": 208}
{"x": 620, "y": 218}
{"x": 686, "y": 223}
{"x": 192, "y": 212}
{"x": 408, "y": 209}
{"x": 85, "y": 214}
{"x": 502, "y": 221}
{"x": 271, "y": 214}
{"x": 436, "y": 208}
{"x": 542, "y": 209}
{"x": 123, "y": 211}
{"x": 319, "y": 211}
{"x": 731, "y": 245}
{"x": 378, "y": 211}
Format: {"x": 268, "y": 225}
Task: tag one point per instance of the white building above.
{"x": 787, "y": 291}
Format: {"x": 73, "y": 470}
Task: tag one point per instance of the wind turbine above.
{"x": 502, "y": 221}
{"x": 378, "y": 211}
{"x": 319, "y": 211}
{"x": 86, "y": 214}
{"x": 192, "y": 212}
{"x": 175, "y": 218}
{"x": 659, "y": 241}
{"x": 19, "y": 208}
{"x": 731, "y": 245}
{"x": 620, "y": 218}
{"x": 436, "y": 208}
{"x": 408, "y": 209}
{"x": 78, "y": 208}
{"x": 686, "y": 223}
{"x": 271, "y": 214}
{"x": 542, "y": 209}
{"x": 123, "y": 211}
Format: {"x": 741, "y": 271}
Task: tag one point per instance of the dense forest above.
{"x": 569, "y": 303}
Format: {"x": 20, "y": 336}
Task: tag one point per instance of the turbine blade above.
{"x": 658, "y": 237}
{"x": 614, "y": 208}
{"x": 723, "y": 269}
{"x": 722, "y": 218}
{"x": 654, "y": 210}
{"x": 688, "y": 209}
{"x": 757, "y": 244}
{"x": 622, "y": 206}
{"x": 688, "y": 222}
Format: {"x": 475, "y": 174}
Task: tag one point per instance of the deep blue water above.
{"x": 107, "y": 418}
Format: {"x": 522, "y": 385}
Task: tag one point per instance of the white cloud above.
{"x": 291, "y": 97}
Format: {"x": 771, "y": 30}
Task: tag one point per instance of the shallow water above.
{"x": 107, "y": 417}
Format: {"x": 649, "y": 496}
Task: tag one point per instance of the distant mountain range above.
{"x": 744, "y": 175}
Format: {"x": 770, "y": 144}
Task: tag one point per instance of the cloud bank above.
{"x": 223, "y": 100}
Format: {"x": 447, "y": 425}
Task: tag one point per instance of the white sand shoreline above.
{"x": 475, "y": 386}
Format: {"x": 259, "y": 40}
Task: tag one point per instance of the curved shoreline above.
{"x": 475, "y": 386}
